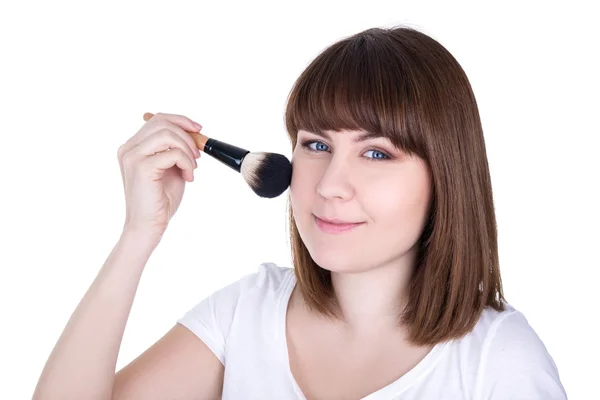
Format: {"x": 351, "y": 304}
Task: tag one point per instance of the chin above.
{"x": 333, "y": 261}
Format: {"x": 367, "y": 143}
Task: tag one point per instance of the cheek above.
{"x": 301, "y": 185}
{"x": 399, "y": 204}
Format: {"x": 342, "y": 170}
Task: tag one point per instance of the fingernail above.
{"x": 197, "y": 125}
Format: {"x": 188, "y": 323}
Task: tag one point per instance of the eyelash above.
{"x": 306, "y": 144}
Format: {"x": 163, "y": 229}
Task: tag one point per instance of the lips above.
{"x": 335, "y": 225}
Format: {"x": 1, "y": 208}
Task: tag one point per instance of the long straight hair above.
{"x": 405, "y": 85}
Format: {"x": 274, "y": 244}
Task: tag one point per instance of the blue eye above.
{"x": 378, "y": 155}
{"x": 320, "y": 146}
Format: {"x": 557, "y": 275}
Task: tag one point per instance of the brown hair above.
{"x": 408, "y": 87}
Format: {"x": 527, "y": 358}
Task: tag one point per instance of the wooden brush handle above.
{"x": 199, "y": 138}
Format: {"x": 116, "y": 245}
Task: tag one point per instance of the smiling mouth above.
{"x": 331, "y": 227}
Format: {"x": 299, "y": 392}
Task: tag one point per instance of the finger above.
{"x": 155, "y": 126}
{"x": 161, "y": 141}
{"x": 179, "y": 124}
{"x": 180, "y": 120}
{"x": 186, "y": 137}
{"x": 160, "y": 162}
{"x": 151, "y": 127}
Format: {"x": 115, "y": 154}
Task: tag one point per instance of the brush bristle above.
{"x": 268, "y": 174}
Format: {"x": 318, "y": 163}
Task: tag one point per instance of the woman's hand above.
{"x": 155, "y": 163}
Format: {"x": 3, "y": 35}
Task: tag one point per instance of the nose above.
{"x": 335, "y": 181}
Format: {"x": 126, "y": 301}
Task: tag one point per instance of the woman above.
{"x": 395, "y": 291}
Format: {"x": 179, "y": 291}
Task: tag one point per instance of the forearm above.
{"x": 82, "y": 364}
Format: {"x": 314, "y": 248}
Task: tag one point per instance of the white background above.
{"x": 77, "y": 77}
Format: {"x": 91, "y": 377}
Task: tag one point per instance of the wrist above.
{"x": 139, "y": 238}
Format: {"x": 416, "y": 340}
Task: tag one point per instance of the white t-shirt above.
{"x": 244, "y": 325}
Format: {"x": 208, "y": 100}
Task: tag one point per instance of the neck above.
{"x": 373, "y": 300}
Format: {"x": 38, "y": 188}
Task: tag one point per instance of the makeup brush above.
{"x": 267, "y": 174}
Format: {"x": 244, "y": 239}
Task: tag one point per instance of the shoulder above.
{"x": 270, "y": 277}
{"x": 211, "y": 318}
{"x": 513, "y": 360}
{"x": 266, "y": 282}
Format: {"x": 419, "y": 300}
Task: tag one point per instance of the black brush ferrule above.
{"x": 228, "y": 154}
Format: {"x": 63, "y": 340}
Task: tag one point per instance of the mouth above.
{"x": 335, "y": 226}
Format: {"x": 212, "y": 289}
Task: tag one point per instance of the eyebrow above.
{"x": 361, "y": 138}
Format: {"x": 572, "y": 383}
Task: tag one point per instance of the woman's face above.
{"x": 368, "y": 182}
